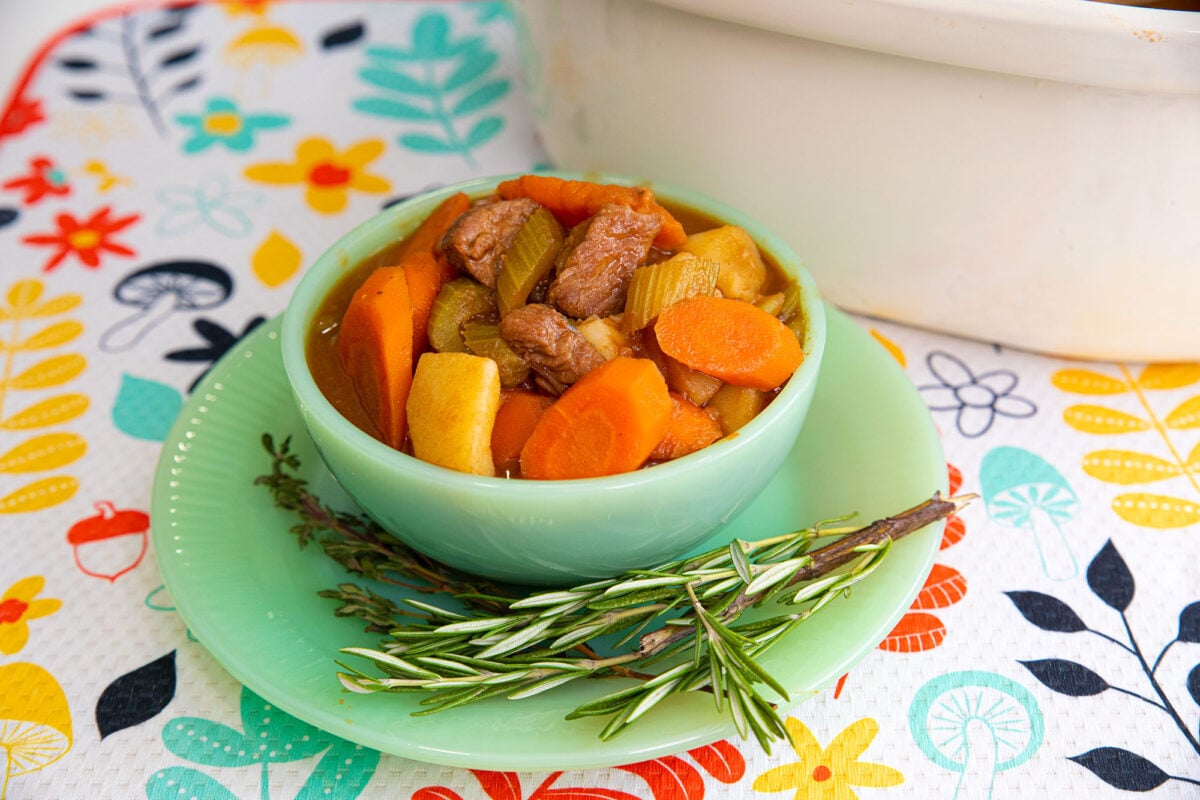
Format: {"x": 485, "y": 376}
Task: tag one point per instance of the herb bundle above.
{"x": 491, "y": 642}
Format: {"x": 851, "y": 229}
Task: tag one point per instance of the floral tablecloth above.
{"x": 165, "y": 174}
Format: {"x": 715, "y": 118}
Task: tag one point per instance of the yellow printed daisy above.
{"x": 327, "y": 174}
{"x": 828, "y": 774}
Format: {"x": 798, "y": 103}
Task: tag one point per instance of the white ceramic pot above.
{"x": 1019, "y": 171}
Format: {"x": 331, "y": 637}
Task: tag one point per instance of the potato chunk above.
{"x": 452, "y": 409}
{"x": 742, "y": 271}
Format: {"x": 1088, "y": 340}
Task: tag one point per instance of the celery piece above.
{"x": 792, "y": 312}
{"x": 483, "y": 339}
{"x": 458, "y": 301}
{"x": 528, "y": 259}
{"x": 656, "y": 286}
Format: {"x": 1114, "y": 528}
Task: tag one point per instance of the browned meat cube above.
{"x": 477, "y": 240}
{"x": 550, "y": 345}
{"x": 598, "y": 258}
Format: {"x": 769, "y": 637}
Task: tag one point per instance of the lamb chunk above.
{"x": 598, "y": 257}
{"x": 550, "y": 345}
{"x": 477, "y": 239}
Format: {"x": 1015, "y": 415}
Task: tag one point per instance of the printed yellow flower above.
{"x": 828, "y": 774}
{"x": 17, "y": 607}
{"x": 327, "y": 174}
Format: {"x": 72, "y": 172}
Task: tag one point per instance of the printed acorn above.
{"x": 105, "y": 545}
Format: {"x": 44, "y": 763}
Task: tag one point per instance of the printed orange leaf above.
{"x": 1169, "y": 376}
{"x": 721, "y": 760}
{"x": 916, "y": 632}
{"x": 1128, "y": 467}
{"x": 52, "y": 336}
{"x": 48, "y": 451}
{"x": 39, "y": 494}
{"x": 49, "y": 372}
{"x": 499, "y": 785}
{"x": 1184, "y": 415}
{"x": 955, "y": 530}
{"x": 276, "y": 260}
{"x": 1156, "y": 511}
{"x": 669, "y": 777}
{"x": 51, "y": 411}
{"x": 435, "y": 793}
{"x": 1098, "y": 419}
{"x": 1085, "y": 381}
{"x": 944, "y": 587}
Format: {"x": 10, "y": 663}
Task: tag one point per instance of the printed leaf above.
{"x": 1156, "y": 511}
{"x": 1046, "y": 612}
{"x": 429, "y": 36}
{"x": 954, "y": 532}
{"x": 944, "y": 587}
{"x": 1193, "y": 459}
{"x": 77, "y": 64}
{"x": 1189, "y": 624}
{"x": 40, "y": 494}
{"x": 192, "y": 738}
{"x": 1193, "y": 684}
{"x": 180, "y": 57}
{"x": 585, "y": 793}
{"x": 436, "y": 793}
{"x": 423, "y": 143}
{"x": 165, "y": 30}
{"x": 136, "y": 696}
{"x": 483, "y": 130}
{"x": 1066, "y": 677}
{"x": 23, "y": 294}
{"x": 1098, "y": 419}
{"x": 1169, "y": 376}
{"x": 395, "y": 81}
{"x": 721, "y": 760}
{"x": 669, "y": 778}
{"x": 1110, "y": 579}
{"x": 86, "y": 95}
{"x": 146, "y": 409}
{"x": 266, "y": 724}
{"x": 471, "y": 66}
{"x": 45, "y": 452}
{"x": 395, "y": 109}
{"x": 56, "y": 305}
{"x": 341, "y": 774}
{"x": 185, "y": 85}
{"x": 1185, "y": 415}
{"x": 480, "y": 98}
{"x": 916, "y": 632}
{"x": 1127, "y": 467}
{"x": 1122, "y": 769}
{"x": 276, "y": 260}
{"x": 50, "y": 372}
{"x": 52, "y": 336}
{"x": 340, "y": 37}
{"x": 8, "y": 216}
{"x": 499, "y": 785}
{"x": 173, "y": 783}
{"x": 1085, "y": 381}
{"x": 51, "y": 411}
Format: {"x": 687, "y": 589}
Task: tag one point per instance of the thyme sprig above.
{"x": 496, "y": 643}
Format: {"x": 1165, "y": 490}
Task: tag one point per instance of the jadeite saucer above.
{"x": 249, "y": 593}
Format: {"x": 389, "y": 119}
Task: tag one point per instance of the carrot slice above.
{"x": 425, "y": 275}
{"x": 374, "y": 345}
{"x": 574, "y": 201}
{"x": 608, "y": 422}
{"x": 428, "y": 235}
{"x": 519, "y": 413}
{"x": 691, "y": 428}
{"x": 729, "y": 339}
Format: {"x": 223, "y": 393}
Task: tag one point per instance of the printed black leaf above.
{"x": 87, "y": 95}
{"x": 1066, "y": 677}
{"x": 136, "y": 696}
{"x": 8, "y": 216}
{"x": 1046, "y": 612}
{"x": 77, "y": 64}
{"x": 186, "y": 85}
{"x": 1110, "y": 578}
{"x": 1193, "y": 684}
{"x": 340, "y": 37}
{"x": 1122, "y": 769}
{"x": 180, "y": 57}
{"x": 165, "y": 30}
{"x": 1189, "y": 624}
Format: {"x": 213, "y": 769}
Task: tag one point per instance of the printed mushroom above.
{"x": 160, "y": 290}
{"x": 35, "y": 721}
{"x": 977, "y": 724}
{"x": 1021, "y": 490}
{"x": 110, "y": 543}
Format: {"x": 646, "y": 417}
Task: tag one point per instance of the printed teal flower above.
{"x": 222, "y": 121}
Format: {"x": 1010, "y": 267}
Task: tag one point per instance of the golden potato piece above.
{"x": 452, "y": 409}
{"x": 742, "y": 271}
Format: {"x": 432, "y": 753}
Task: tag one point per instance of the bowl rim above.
{"x": 398, "y": 220}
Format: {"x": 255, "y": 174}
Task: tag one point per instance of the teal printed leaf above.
{"x": 1122, "y": 769}
{"x": 429, "y": 36}
{"x": 146, "y": 409}
{"x": 474, "y": 64}
{"x": 173, "y": 783}
{"x": 480, "y": 98}
{"x": 279, "y": 736}
{"x": 1109, "y": 578}
{"x": 484, "y": 130}
{"x": 423, "y": 143}
{"x": 341, "y": 774}
{"x": 394, "y": 81}
{"x": 212, "y": 744}
{"x": 396, "y": 109}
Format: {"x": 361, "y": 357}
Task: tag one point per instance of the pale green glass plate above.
{"x": 248, "y": 592}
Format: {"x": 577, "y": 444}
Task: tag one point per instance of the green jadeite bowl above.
{"x": 547, "y": 532}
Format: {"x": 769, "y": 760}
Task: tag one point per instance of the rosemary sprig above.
{"x": 495, "y": 643}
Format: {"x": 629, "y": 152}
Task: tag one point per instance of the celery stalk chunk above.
{"x": 528, "y": 259}
{"x": 656, "y": 286}
{"x": 483, "y": 339}
{"x": 458, "y": 301}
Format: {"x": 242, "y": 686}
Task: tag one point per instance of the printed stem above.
{"x": 1182, "y": 779}
{"x": 978, "y": 776}
{"x": 1163, "y": 654}
{"x": 1170, "y": 709}
{"x": 264, "y": 785}
{"x": 439, "y": 108}
{"x": 1143, "y": 698}
{"x": 134, "y": 68}
{"x": 10, "y": 355}
{"x": 1117, "y": 642}
{"x": 1158, "y": 426}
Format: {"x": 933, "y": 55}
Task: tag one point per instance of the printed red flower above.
{"x": 87, "y": 239}
{"x": 42, "y": 179}
{"x": 22, "y": 114}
